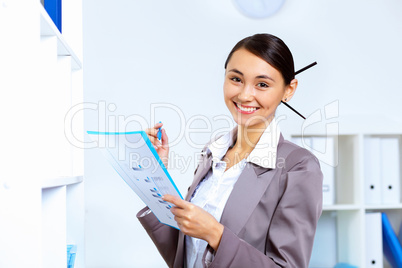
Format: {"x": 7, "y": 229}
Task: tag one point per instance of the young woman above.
{"x": 256, "y": 198}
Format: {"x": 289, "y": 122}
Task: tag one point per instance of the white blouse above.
{"x": 213, "y": 191}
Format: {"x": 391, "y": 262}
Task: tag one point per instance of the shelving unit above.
{"x": 41, "y": 184}
{"x": 340, "y": 234}
{"x": 62, "y": 219}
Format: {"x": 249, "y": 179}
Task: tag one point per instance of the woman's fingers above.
{"x": 195, "y": 221}
{"x": 161, "y": 145}
{"x": 155, "y": 141}
{"x": 177, "y": 212}
{"x": 153, "y": 135}
{"x": 164, "y": 139}
{"x": 153, "y": 131}
{"x": 177, "y": 201}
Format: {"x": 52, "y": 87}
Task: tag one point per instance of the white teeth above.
{"x": 245, "y": 109}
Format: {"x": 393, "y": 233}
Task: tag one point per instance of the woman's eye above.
{"x": 262, "y": 84}
{"x": 235, "y": 79}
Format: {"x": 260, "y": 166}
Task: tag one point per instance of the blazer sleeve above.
{"x": 291, "y": 232}
{"x": 164, "y": 237}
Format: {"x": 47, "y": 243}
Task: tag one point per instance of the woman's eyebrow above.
{"x": 236, "y": 71}
{"x": 263, "y": 76}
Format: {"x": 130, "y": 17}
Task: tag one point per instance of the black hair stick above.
{"x": 290, "y": 107}
{"x": 305, "y": 68}
{"x": 299, "y": 71}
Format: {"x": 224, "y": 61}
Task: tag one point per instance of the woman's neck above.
{"x": 248, "y": 136}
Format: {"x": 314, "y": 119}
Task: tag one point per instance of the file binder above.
{"x": 325, "y": 147}
{"x": 374, "y": 240}
{"x": 53, "y": 8}
{"x": 304, "y": 142}
{"x": 391, "y": 246}
{"x": 324, "y": 252}
{"x": 322, "y": 147}
{"x": 390, "y": 178}
{"x": 372, "y": 170}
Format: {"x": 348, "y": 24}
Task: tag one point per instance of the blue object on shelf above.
{"x": 344, "y": 265}
{"x": 71, "y": 252}
{"x": 53, "y": 8}
{"x": 391, "y": 246}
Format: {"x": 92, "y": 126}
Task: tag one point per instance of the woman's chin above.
{"x": 252, "y": 122}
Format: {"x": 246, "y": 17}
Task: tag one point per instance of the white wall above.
{"x": 138, "y": 53}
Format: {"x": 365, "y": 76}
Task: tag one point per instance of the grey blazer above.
{"x": 269, "y": 219}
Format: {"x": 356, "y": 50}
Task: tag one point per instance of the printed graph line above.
{"x": 127, "y": 176}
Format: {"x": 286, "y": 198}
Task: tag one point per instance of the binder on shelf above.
{"x": 325, "y": 250}
{"x": 53, "y": 8}
{"x": 304, "y": 142}
{"x": 374, "y": 240}
{"x": 71, "y": 253}
{"x": 344, "y": 265}
{"x": 391, "y": 246}
{"x": 390, "y": 177}
{"x": 372, "y": 170}
{"x": 325, "y": 148}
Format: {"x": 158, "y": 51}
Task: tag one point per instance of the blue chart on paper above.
{"x": 135, "y": 159}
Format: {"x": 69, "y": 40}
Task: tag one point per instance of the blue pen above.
{"x": 159, "y": 134}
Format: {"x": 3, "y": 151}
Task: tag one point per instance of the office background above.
{"x": 138, "y": 53}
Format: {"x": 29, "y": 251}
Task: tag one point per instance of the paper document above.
{"x": 135, "y": 159}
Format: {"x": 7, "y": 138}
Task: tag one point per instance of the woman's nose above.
{"x": 247, "y": 93}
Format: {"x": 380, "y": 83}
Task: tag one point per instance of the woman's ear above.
{"x": 290, "y": 90}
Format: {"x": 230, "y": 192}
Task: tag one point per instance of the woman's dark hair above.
{"x": 271, "y": 49}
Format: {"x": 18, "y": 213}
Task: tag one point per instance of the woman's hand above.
{"x": 162, "y": 148}
{"x": 195, "y": 222}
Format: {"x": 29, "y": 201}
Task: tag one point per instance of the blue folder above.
{"x": 53, "y": 8}
{"x": 391, "y": 246}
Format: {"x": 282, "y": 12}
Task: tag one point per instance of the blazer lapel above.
{"x": 200, "y": 173}
{"x": 247, "y": 192}
{"x": 245, "y": 196}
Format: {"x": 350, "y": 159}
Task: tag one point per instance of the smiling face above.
{"x": 253, "y": 89}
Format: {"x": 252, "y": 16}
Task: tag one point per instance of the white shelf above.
{"x": 61, "y": 181}
{"x": 42, "y": 194}
{"x": 340, "y": 207}
{"x": 366, "y": 207}
{"x": 383, "y": 207}
{"x": 352, "y": 124}
{"x": 63, "y": 218}
{"x": 48, "y": 28}
{"x": 54, "y": 227}
{"x": 344, "y": 222}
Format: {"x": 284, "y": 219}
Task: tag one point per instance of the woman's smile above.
{"x": 245, "y": 109}
{"x": 252, "y": 89}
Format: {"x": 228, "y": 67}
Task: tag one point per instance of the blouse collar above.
{"x": 263, "y": 154}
